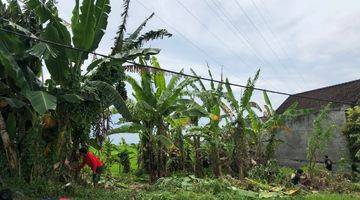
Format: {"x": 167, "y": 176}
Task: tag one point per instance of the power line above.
{"x": 269, "y": 27}
{"x": 243, "y": 38}
{"x": 169, "y": 71}
{"x": 235, "y": 33}
{"x": 263, "y": 38}
{"x": 273, "y": 32}
{"x": 199, "y": 48}
{"x": 181, "y": 34}
{"x": 212, "y": 33}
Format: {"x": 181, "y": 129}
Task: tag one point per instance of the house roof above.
{"x": 344, "y": 92}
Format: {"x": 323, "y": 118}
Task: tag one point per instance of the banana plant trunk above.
{"x": 199, "y": 171}
{"x": 215, "y": 160}
{"x": 270, "y": 147}
{"x": 180, "y": 144}
{"x": 152, "y": 165}
{"x": 259, "y": 155}
{"x": 240, "y": 153}
{"x": 149, "y": 154}
{"x": 162, "y": 159}
{"x": 10, "y": 152}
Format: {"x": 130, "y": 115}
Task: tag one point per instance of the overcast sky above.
{"x": 298, "y": 44}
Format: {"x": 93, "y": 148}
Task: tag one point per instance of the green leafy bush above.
{"x": 271, "y": 173}
{"x": 352, "y": 131}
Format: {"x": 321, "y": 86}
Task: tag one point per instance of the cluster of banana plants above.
{"x": 186, "y": 126}
{"x": 46, "y": 121}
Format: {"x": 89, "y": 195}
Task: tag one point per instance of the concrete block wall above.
{"x": 292, "y": 152}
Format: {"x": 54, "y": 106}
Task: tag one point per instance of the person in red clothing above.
{"x": 93, "y": 162}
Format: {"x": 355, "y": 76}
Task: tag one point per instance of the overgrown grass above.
{"x": 165, "y": 189}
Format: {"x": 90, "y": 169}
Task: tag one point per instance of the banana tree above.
{"x": 154, "y": 100}
{"x": 240, "y": 152}
{"x": 211, "y": 101}
{"x": 269, "y": 126}
{"x": 187, "y": 113}
{"x": 85, "y": 97}
{"x": 79, "y": 100}
{"x": 21, "y": 93}
{"x": 275, "y": 123}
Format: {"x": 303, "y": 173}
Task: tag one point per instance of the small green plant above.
{"x": 322, "y": 133}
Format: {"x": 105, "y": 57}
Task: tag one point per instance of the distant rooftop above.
{"x": 345, "y": 92}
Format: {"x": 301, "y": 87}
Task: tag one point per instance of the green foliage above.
{"x": 322, "y": 134}
{"x": 84, "y": 29}
{"x": 352, "y": 131}
{"x": 77, "y": 102}
{"x": 214, "y": 188}
{"x": 42, "y": 101}
{"x": 330, "y": 196}
{"x": 271, "y": 173}
{"x": 43, "y": 188}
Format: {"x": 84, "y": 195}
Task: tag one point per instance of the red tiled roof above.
{"x": 344, "y": 92}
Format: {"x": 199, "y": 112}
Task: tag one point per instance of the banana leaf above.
{"x": 41, "y": 101}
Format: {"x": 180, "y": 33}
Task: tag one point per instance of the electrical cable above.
{"x": 212, "y": 33}
{"x": 181, "y": 34}
{"x": 274, "y": 34}
{"x": 245, "y": 39}
{"x": 264, "y": 39}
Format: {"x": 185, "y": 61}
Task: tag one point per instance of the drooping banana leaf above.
{"x": 96, "y": 64}
{"x": 110, "y": 96}
{"x": 41, "y": 101}
{"x": 18, "y": 27}
{"x": 72, "y": 98}
{"x": 44, "y": 11}
{"x": 12, "y": 69}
